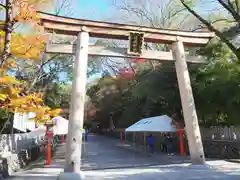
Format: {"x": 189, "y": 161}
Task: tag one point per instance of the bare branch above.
{"x": 237, "y": 6}
{"x": 3, "y": 6}
{"x": 65, "y": 4}
{"x": 222, "y": 20}
{"x": 229, "y": 7}
{"x": 212, "y": 28}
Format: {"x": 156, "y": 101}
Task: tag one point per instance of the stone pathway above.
{"x": 106, "y": 159}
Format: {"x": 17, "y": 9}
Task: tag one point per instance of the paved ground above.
{"x": 107, "y": 159}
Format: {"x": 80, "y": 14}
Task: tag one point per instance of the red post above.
{"x": 121, "y": 137}
{"x": 180, "y": 133}
{"x": 62, "y": 139}
{"x": 48, "y": 153}
{"x": 49, "y": 135}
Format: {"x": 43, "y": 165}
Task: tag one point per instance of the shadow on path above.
{"x": 104, "y": 153}
{"x": 148, "y": 173}
{"x": 105, "y": 159}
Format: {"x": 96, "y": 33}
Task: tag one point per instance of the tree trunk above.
{"x": 8, "y": 32}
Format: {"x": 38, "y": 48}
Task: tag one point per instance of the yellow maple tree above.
{"x": 13, "y": 96}
{"x": 28, "y": 47}
{"x": 14, "y": 99}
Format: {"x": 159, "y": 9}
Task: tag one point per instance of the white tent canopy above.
{"x": 153, "y": 124}
{"x": 39, "y": 132}
{"x": 61, "y": 125}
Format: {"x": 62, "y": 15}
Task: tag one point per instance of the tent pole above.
{"x": 144, "y": 140}
{"x": 121, "y": 136}
{"x": 134, "y": 142}
{"x": 125, "y": 136}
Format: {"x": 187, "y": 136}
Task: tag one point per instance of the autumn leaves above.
{"x": 14, "y": 95}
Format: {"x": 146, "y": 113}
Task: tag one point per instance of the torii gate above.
{"x": 83, "y": 29}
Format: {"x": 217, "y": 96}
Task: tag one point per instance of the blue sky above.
{"x": 92, "y": 9}
{"x": 100, "y": 10}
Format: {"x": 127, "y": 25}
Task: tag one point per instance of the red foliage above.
{"x": 126, "y": 73}
{"x": 139, "y": 60}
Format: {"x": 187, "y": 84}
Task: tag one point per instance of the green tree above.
{"x": 154, "y": 89}
{"x": 225, "y": 22}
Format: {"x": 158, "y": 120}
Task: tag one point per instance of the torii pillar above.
{"x": 74, "y": 140}
{"x": 188, "y": 105}
{"x": 69, "y": 26}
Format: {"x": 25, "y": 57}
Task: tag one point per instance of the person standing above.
{"x": 170, "y": 144}
{"x": 151, "y": 143}
{"x": 165, "y": 144}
